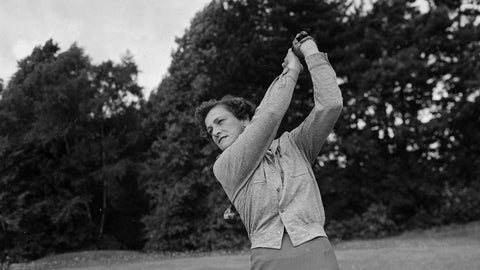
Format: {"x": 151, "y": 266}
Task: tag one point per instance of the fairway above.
{"x": 454, "y": 247}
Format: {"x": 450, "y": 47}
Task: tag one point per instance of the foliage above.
{"x": 68, "y": 143}
{"x": 402, "y": 66}
{"x": 86, "y": 163}
{"x": 395, "y": 66}
{"x": 374, "y": 222}
{"x": 460, "y": 203}
{"x": 222, "y": 52}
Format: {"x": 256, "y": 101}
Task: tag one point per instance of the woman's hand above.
{"x": 304, "y": 45}
{"x": 292, "y": 62}
{"x": 231, "y": 215}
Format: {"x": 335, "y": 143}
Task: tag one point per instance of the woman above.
{"x": 271, "y": 182}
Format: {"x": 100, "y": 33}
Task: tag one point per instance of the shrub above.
{"x": 374, "y": 222}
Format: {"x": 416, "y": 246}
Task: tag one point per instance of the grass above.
{"x": 455, "y": 247}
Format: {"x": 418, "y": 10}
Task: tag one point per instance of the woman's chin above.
{"x": 224, "y": 145}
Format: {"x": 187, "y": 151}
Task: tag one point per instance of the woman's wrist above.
{"x": 291, "y": 61}
{"x": 295, "y": 66}
{"x": 308, "y": 48}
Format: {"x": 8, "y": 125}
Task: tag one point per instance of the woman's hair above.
{"x": 238, "y": 106}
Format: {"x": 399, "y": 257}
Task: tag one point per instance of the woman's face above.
{"x": 223, "y": 127}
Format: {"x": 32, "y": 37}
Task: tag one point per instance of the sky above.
{"x": 105, "y": 29}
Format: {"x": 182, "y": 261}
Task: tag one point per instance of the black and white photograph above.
{"x": 240, "y": 134}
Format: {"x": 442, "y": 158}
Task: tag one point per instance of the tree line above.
{"x": 87, "y": 162}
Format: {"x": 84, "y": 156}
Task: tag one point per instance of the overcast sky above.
{"x": 106, "y": 29}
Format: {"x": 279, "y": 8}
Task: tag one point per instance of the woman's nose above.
{"x": 216, "y": 132}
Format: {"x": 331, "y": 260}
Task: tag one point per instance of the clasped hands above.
{"x": 303, "y": 45}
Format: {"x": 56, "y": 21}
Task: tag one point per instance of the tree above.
{"x": 401, "y": 61}
{"x": 232, "y": 47}
{"x": 70, "y": 143}
{"x": 391, "y": 60}
{"x": 452, "y": 131}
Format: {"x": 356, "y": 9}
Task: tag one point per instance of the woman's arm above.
{"x": 236, "y": 164}
{"x": 312, "y": 133}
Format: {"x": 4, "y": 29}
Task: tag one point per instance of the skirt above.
{"x": 316, "y": 254}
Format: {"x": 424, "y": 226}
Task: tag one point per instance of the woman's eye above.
{"x": 220, "y": 121}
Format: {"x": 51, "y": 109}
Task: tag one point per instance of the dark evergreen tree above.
{"x": 386, "y": 167}
{"x": 404, "y": 68}
{"x": 77, "y": 139}
{"x": 232, "y": 47}
{"x": 69, "y": 143}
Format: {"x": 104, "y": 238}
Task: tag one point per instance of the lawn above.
{"x": 454, "y": 247}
